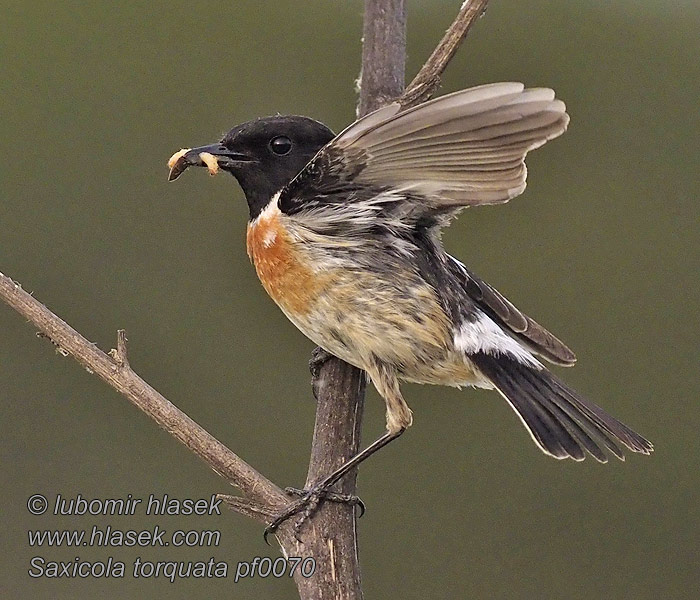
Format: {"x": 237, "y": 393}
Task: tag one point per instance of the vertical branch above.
{"x": 339, "y": 387}
{"x": 331, "y": 536}
{"x": 382, "y": 78}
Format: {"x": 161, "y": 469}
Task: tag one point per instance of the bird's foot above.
{"x": 348, "y": 499}
{"x": 307, "y": 504}
{"x": 319, "y": 357}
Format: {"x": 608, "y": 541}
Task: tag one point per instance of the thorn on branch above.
{"x": 120, "y": 355}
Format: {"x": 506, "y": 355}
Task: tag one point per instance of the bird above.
{"x": 344, "y": 233}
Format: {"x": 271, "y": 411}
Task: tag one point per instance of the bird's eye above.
{"x": 281, "y": 145}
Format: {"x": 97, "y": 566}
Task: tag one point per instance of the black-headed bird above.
{"x": 344, "y": 233}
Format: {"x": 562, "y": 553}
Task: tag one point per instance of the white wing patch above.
{"x": 484, "y": 335}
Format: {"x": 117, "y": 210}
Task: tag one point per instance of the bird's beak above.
{"x": 214, "y": 157}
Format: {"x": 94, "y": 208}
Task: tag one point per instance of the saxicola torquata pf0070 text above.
{"x": 344, "y": 233}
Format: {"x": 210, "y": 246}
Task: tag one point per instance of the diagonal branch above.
{"x": 115, "y": 370}
{"x": 426, "y": 83}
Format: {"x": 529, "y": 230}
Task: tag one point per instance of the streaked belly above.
{"x": 357, "y": 315}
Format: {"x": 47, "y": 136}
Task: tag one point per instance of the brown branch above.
{"x": 427, "y": 81}
{"x": 382, "y": 77}
{"x": 249, "y": 508}
{"x": 115, "y": 370}
{"x": 339, "y": 388}
{"x": 330, "y": 537}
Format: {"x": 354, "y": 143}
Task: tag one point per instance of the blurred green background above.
{"x": 602, "y": 249}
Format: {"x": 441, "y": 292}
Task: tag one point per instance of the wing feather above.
{"x": 536, "y": 337}
{"x": 461, "y": 149}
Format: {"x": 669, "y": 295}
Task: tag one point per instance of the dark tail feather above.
{"x": 562, "y": 423}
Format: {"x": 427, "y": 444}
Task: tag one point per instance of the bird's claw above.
{"x": 307, "y": 504}
{"x": 349, "y": 499}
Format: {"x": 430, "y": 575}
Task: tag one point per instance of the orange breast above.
{"x": 281, "y": 264}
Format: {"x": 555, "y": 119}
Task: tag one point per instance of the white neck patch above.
{"x": 272, "y": 209}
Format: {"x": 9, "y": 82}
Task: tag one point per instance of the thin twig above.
{"x": 249, "y": 508}
{"x": 427, "y": 81}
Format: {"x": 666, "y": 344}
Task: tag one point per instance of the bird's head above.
{"x": 264, "y": 155}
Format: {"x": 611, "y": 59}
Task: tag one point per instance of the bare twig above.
{"x": 427, "y": 81}
{"x": 249, "y": 508}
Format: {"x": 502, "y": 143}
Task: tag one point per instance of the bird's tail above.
{"x": 563, "y": 424}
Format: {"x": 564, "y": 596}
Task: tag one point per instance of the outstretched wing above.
{"x": 462, "y": 149}
{"x": 405, "y": 171}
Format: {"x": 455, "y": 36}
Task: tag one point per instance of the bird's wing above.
{"x": 463, "y": 149}
{"x": 501, "y": 310}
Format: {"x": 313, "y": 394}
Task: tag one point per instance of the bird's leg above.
{"x": 311, "y": 498}
{"x": 398, "y": 418}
